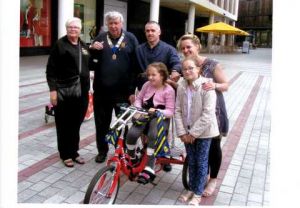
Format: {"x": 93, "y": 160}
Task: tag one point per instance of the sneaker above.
{"x": 145, "y": 177}
{"x": 100, "y": 158}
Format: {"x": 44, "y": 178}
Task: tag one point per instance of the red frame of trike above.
{"x": 119, "y": 160}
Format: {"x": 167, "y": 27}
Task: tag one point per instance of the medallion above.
{"x": 115, "y": 48}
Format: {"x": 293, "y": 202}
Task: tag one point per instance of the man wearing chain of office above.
{"x": 113, "y": 59}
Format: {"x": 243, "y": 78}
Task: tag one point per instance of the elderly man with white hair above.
{"x": 113, "y": 60}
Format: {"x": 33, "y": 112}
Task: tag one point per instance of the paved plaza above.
{"x": 244, "y": 178}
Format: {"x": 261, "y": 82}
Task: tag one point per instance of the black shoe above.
{"x": 167, "y": 167}
{"x": 100, "y": 158}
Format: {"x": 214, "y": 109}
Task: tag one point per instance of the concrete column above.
{"x": 191, "y": 20}
{"x": 229, "y": 38}
{"x": 210, "y": 35}
{"x": 231, "y": 9}
{"x": 227, "y": 8}
{"x": 222, "y": 41}
{"x": 233, "y": 37}
{"x": 154, "y": 10}
{"x": 65, "y": 11}
{"x": 222, "y": 4}
{"x": 236, "y": 7}
{"x": 216, "y": 2}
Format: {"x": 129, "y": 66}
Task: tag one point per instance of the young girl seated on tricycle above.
{"x": 158, "y": 98}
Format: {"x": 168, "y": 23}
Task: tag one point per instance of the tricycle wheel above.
{"x": 185, "y": 174}
{"x": 104, "y": 187}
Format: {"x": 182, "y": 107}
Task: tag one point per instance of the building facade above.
{"x": 255, "y": 16}
{"x": 42, "y": 21}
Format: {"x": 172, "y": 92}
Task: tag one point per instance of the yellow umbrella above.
{"x": 222, "y": 28}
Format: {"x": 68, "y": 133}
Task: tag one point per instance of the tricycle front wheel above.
{"x": 104, "y": 187}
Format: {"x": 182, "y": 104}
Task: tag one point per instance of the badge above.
{"x": 84, "y": 51}
{"x": 114, "y": 56}
{"x": 123, "y": 44}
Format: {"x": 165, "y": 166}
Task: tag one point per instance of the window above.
{"x": 35, "y": 23}
{"x": 86, "y": 11}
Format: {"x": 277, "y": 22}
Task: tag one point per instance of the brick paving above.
{"x": 244, "y": 178}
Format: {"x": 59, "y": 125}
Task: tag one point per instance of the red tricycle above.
{"x": 104, "y": 187}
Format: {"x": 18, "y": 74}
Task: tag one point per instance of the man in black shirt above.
{"x": 156, "y": 50}
{"x": 114, "y": 62}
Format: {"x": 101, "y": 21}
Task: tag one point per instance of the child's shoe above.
{"x": 195, "y": 201}
{"x": 183, "y": 198}
{"x": 146, "y": 176}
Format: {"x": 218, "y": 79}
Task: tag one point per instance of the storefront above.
{"x": 42, "y": 21}
{"x": 35, "y": 23}
{"x": 36, "y": 26}
{"x": 39, "y": 23}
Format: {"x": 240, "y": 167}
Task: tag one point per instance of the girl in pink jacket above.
{"x": 158, "y": 98}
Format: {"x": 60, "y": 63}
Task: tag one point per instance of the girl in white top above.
{"x": 196, "y": 125}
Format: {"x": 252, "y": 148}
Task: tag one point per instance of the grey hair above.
{"x": 74, "y": 19}
{"x": 113, "y": 15}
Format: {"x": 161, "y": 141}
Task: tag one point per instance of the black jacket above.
{"x": 63, "y": 63}
{"x": 115, "y": 76}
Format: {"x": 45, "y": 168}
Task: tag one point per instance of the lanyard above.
{"x": 80, "y": 57}
{"x": 113, "y": 47}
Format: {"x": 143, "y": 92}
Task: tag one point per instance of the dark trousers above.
{"x": 197, "y": 155}
{"x": 69, "y": 115}
{"x": 215, "y": 156}
{"x": 150, "y": 129}
{"x": 103, "y": 107}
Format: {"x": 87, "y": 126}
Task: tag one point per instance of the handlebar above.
{"x": 130, "y": 111}
{"x": 136, "y": 109}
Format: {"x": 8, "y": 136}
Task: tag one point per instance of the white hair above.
{"x": 112, "y": 15}
{"x": 76, "y": 20}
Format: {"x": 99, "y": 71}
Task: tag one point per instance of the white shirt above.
{"x": 190, "y": 94}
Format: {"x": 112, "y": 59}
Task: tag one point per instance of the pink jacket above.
{"x": 165, "y": 96}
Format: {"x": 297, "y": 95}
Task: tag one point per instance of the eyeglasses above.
{"x": 73, "y": 27}
{"x": 190, "y": 68}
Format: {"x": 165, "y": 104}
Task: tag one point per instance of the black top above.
{"x": 162, "y": 52}
{"x": 63, "y": 63}
{"x": 115, "y": 75}
{"x": 208, "y": 68}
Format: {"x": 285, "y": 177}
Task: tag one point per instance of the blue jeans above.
{"x": 197, "y": 155}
